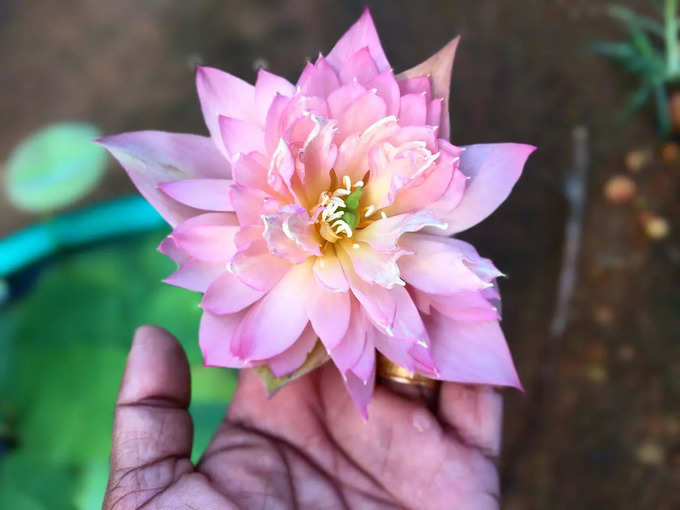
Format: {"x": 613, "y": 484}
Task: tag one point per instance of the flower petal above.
{"x": 328, "y": 272}
{"x": 438, "y": 67}
{"x": 413, "y": 110}
{"x": 318, "y": 79}
{"x": 277, "y": 320}
{"x": 387, "y": 88}
{"x": 257, "y": 267}
{"x": 383, "y": 234}
{"x": 360, "y": 67}
{"x": 361, "y": 391}
{"x": 215, "y": 335}
{"x": 329, "y": 313}
{"x": 471, "y": 352}
{"x": 360, "y": 35}
{"x": 192, "y": 274}
{"x": 241, "y": 136}
{"x": 206, "y": 194}
{"x": 153, "y": 157}
{"x": 347, "y": 352}
{"x": 228, "y": 294}
{"x": 492, "y": 170}
{"x": 292, "y": 358}
{"x": 436, "y": 267}
{"x": 208, "y": 236}
{"x": 373, "y": 266}
{"x": 221, "y": 93}
{"x": 267, "y": 86}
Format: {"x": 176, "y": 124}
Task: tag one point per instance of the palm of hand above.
{"x": 306, "y": 448}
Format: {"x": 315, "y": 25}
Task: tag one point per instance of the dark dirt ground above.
{"x": 599, "y": 424}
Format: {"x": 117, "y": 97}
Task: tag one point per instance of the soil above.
{"x": 599, "y": 423}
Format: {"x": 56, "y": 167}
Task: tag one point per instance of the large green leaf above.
{"x": 62, "y": 351}
{"x": 55, "y": 167}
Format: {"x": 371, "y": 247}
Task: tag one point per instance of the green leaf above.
{"x": 90, "y": 490}
{"x": 317, "y": 357}
{"x": 618, "y": 50}
{"x": 662, "y": 109}
{"x": 28, "y": 483}
{"x": 637, "y": 100}
{"x": 55, "y": 167}
{"x": 633, "y": 19}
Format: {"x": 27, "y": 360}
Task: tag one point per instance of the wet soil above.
{"x": 599, "y": 423}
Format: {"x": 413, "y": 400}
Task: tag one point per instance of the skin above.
{"x": 307, "y": 447}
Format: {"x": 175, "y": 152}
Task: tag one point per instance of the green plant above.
{"x": 651, "y": 53}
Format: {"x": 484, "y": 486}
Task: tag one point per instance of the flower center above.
{"x": 340, "y": 215}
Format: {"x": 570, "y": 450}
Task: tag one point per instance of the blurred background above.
{"x": 589, "y": 239}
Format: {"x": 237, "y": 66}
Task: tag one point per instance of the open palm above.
{"x": 307, "y": 447}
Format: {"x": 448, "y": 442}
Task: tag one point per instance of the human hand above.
{"x": 307, "y": 447}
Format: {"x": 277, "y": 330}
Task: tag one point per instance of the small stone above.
{"x": 619, "y": 189}
{"x": 670, "y": 153}
{"x": 656, "y": 227}
{"x": 603, "y": 315}
{"x": 597, "y": 374}
{"x": 650, "y": 453}
{"x": 636, "y": 160}
{"x": 626, "y": 353}
{"x": 596, "y": 352}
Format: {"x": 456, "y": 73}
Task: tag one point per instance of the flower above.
{"x": 322, "y": 212}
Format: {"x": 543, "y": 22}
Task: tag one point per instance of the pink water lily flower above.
{"x": 323, "y": 211}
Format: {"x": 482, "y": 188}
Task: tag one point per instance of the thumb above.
{"x": 152, "y": 429}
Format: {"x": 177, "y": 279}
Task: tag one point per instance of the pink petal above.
{"x": 192, "y": 274}
{"x": 348, "y": 351}
{"x": 250, "y": 171}
{"x": 292, "y": 358}
{"x": 375, "y": 300}
{"x": 241, "y": 136}
{"x": 413, "y": 110}
{"x": 364, "y": 368}
{"x": 471, "y": 352}
{"x": 318, "y": 79}
{"x": 208, "y": 236}
{"x": 362, "y": 113}
{"x": 407, "y": 321}
{"x": 277, "y": 320}
{"x": 436, "y": 267}
{"x": 228, "y": 294}
{"x": 221, "y": 93}
{"x": 373, "y": 266}
{"x": 342, "y": 98}
{"x": 329, "y": 313}
{"x": 360, "y": 67}
{"x": 318, "y": 156}
{"x": 387, "y": 88}
{"x": 360, "y": 391}
{"x": 215, "y": 335}
{"x": 416, "y": 85}
{"x": 248, "y": 203}
{"x": 328, "y": 272}
{"x": 466, "y": 306}
{"x": 258, "y": 268}
{"x": 438, "y": 67}
{"x": 267, "y": 86}
{"x": 290, "y": 234}
{"x": 383, "y": 234}
{"x": 360, "y": 35}
{"x": 406, "y": 353}
{"x": 493, "y": 170}
{"x": 153, "y": 157}
{"x": 196, "y": 275}
{"x": 434, "y": 111}
{"x": 206, "y": 194}
{"x": 484, "y": 268}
